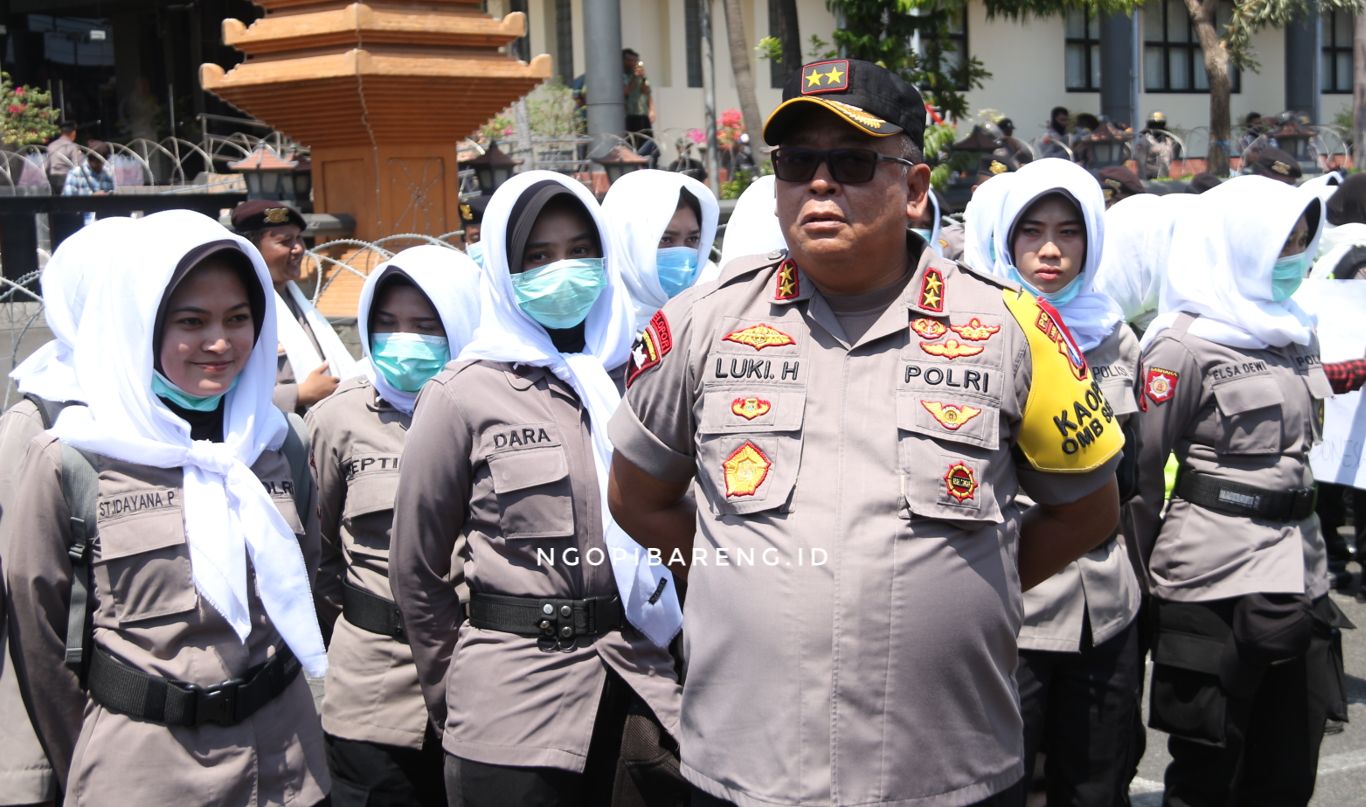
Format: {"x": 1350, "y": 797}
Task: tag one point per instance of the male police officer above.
{"x": 859, "y": 415}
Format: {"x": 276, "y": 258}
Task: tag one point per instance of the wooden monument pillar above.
{"x": 380, "y": 92}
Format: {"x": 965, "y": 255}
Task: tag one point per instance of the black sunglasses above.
{"x": 847, "y": 166}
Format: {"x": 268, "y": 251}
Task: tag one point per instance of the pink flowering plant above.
{"x": 26, "y": 114}
{"x": 729, "y": 127}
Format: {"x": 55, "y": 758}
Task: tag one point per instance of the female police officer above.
{"x": 416, "y": 310}
{"x": 308, "y": 343}
{"x": 503, "y": 473}
{"x": 199, "y": 556}
{"x": 1079, "y": 663}
{"x": 1246, "y": 652}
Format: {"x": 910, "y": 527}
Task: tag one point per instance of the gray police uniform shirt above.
{"x": 498, "y": 490}
{"x": 1245, "y": 416}
{"x": 147, "y": 612}
{"x": 1100, "y": 587}
{"x": 371, "y": 692}
{"x": 25, "y": 774}
{"x": 854, "y": 598}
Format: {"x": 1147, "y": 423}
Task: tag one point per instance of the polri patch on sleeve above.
{"x": 651, "y": 346}
{"x": 1160, "y": 385}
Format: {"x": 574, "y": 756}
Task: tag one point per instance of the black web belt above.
{"x": 371, "y": 612}
{"x": 1231, "y": 498}
{"x": 546, "y": 617}
{"x": 142, "y": 696}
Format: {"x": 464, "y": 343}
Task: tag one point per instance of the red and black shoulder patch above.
{"x": 650, "y": 347}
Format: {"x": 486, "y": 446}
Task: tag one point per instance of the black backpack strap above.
{"x": 295, "y": 449}
{"x": 80, "y": 487}
{"x": 47, "y": 410}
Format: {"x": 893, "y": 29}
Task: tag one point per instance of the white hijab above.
{"x": 1090, "y": 316}
{"x": 1138, "y": 235}
{"x": 637, "y": 210}
{"x": 228, "y": 514}
{"x": 48, "y": 372}
{"x": 753, "y": 227}
{"x": 450, "y": 279}
{"x": 1222, "y": 254}
{"x": 303, "y": 356}
{"x": 507, "y": 334}
{"x": 979, "y": 222}
{"x": 1334, "y": 245}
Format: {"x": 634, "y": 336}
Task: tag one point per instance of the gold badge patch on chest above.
{"x": 951, "y": 349}
{"x": 928, "y": 328}
{"x": 751, "y": 407}
{"x": 961, "y": 481}
{"x": 746, "y": 469}
{"x": 759, "y": 337}
{"x": 951, "y": 416}
{"x": 975, "y": 331}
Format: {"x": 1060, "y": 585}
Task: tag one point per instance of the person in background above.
{"x": 308, "y": 345}
{"x": 1118, "y": 183}
{"x": 1156, "y": 149}
{"x": 93, "y": 176}
{"x": 472, "y": 222}
{"x": 662, "y": 226}
{"x": 1056, "y": 141}
{"x": 416, "y": 310}
{"x": 1080, "y": 671}
{"x": 199, "y": 569}
{"x": 1015, "y": 148}
{"x": 1273, "y": 163}
{"x": 1247, "y": 664}
{"x": 63, "y": 155}
{"x": 640, "y": 103}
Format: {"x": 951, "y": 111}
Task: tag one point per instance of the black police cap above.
{"x": 870, "y": 98}
{"x": 259, "y": 214}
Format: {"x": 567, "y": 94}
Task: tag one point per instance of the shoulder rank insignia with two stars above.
{"x": 789, "y": 284}
{"x": 932, "y": 291}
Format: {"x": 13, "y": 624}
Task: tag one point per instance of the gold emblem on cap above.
{"x": 276, "y": 215}
{"x": 998, "y": 167}
{"x": 859, "y": 116}
{"x": 466, "y": 212}
{"x": 1281, "y": 168}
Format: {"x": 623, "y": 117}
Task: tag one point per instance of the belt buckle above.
{"x": 217, "y": 703}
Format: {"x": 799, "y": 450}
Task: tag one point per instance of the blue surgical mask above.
{"x": 476, "y": 252}
{"x": 163, "y": 388}
{"x": 923, "y": 233}
{"x": 677, "y": 269}
{"x": 1058, "y": 298}
{"x": 1288, "y": 274}
{"x": 560, "y": 295}
{"x": 408, "y": 360}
